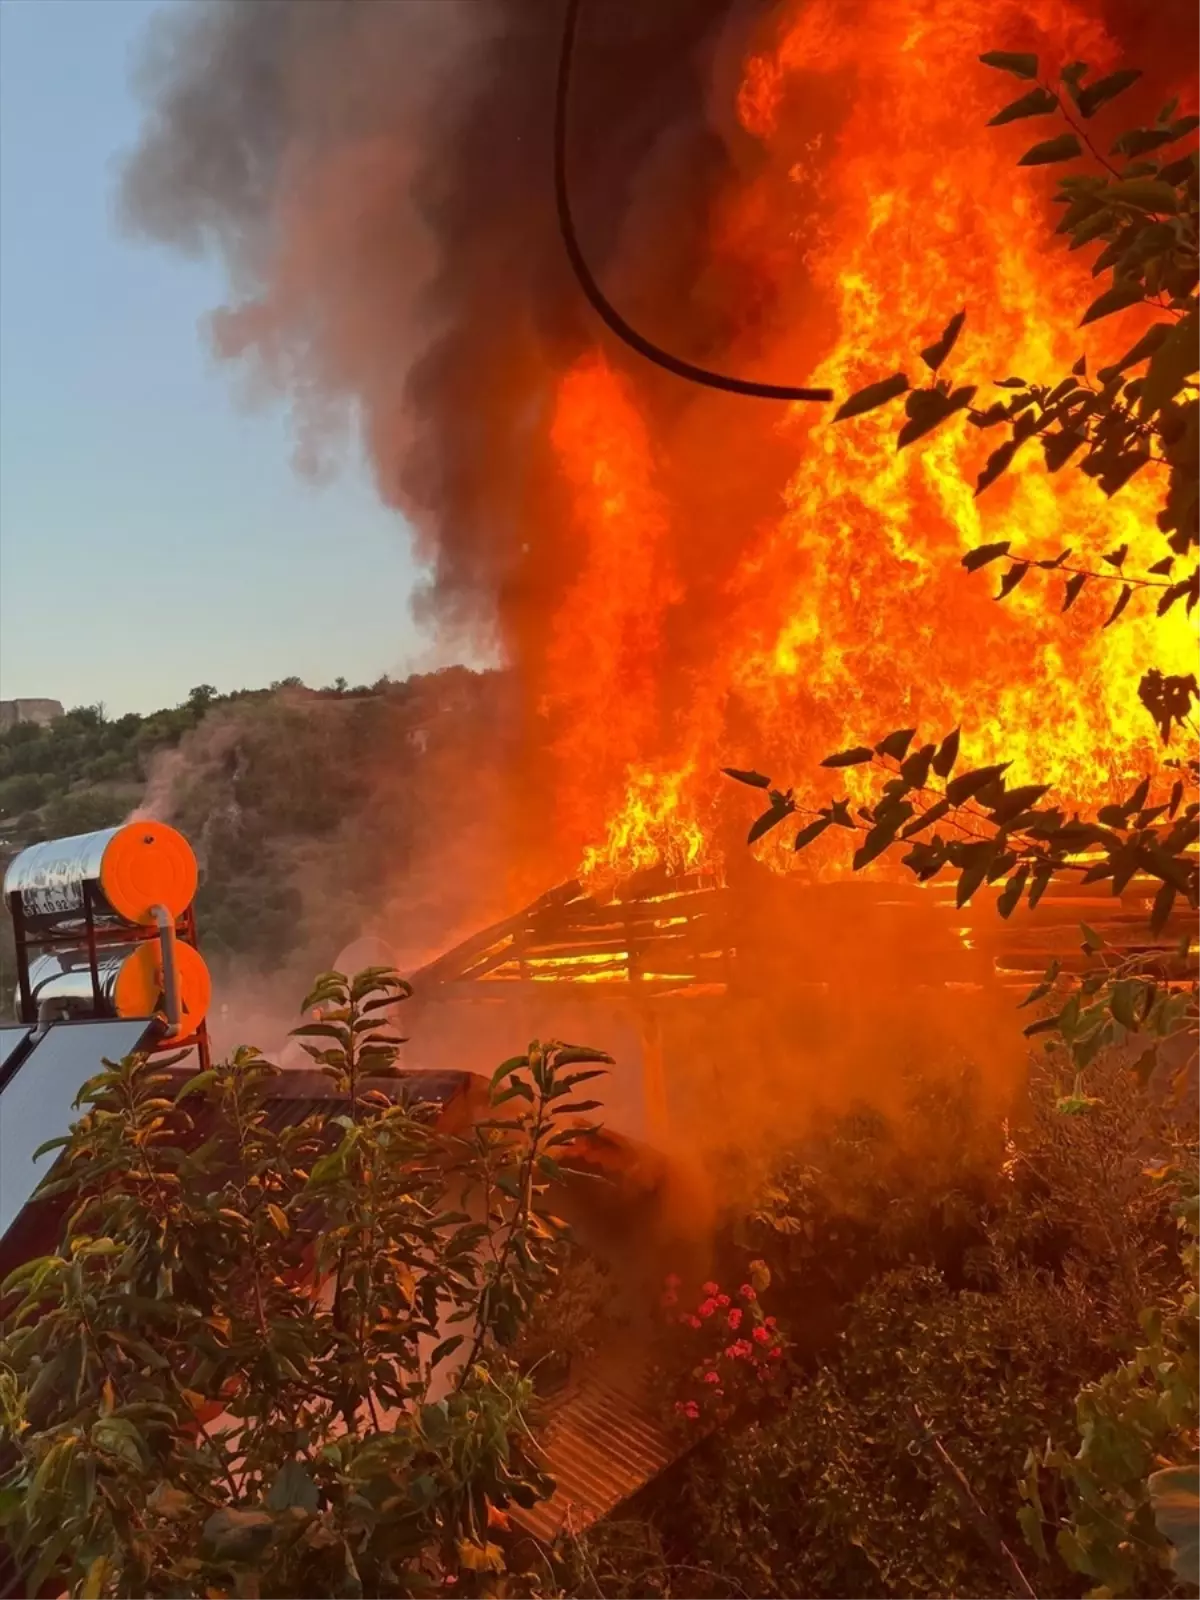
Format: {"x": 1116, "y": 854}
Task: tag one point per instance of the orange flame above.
{"x": 846, "y": 612}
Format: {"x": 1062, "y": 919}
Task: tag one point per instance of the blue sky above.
{"x": 153, "y": 532}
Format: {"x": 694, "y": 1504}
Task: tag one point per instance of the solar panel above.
{"x": 38, "y": 1101}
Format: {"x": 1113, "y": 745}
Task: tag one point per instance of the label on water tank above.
{"x": 59, "y": 890}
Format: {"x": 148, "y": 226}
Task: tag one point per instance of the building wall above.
{"x": 42, "y": 712}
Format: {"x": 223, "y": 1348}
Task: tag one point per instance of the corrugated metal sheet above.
{"x": 603, "y": 1441}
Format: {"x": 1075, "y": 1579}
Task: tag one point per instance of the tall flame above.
{"x": 845, "y": 612}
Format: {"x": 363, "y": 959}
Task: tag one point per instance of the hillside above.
{"x": 306, "y": 807}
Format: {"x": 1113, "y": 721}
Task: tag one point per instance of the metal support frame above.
{"x": 95, "y": 939}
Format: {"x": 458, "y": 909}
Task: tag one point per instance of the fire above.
{"x": 845, "y": 612}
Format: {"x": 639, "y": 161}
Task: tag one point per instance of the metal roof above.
{"x": 603, "y": 1441}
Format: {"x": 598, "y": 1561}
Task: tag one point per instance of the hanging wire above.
{"x": 600, "y": 303}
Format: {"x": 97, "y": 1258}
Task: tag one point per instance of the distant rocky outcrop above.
{"x": 43, "y": 712}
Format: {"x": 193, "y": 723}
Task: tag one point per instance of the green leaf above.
{"x": 94, "y": 1580}
{"x": 293, "y": 1487}
{"x": 754, "y": 779}
{"x": 196, "y": 1084}
{"x": 983, "y": 553}
{"x": 934, "y": 354}
{"x": 1175, "y": 1496}
{"x": 875, "y": 394}
{"x": 1121, "y": 295}
{"x": 1064, "y": 147}
{"x": 1090, "y": 99}
{"x": 850, "y": 758}
{"x": 446, "y": 1348}
{"x": 506, "y": 1068}
{"x": 232, "y": 1535}
{"x": 1038, "y": 102}
{"x": 1020, "y": 65}
{"x": 1151, "y": 195}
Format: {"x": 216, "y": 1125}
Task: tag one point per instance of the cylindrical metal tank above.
{"x": 131, "y": 982}
{"x": 130, "y": 870}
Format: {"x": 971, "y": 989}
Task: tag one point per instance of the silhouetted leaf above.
{"x": 814, "y": 830}
{"x": 996, "y": 463}
{"x": 1063, "y": 147}
{"x": 1140, "y": 141}
{"x": 1010, "y": 896}
{"x": 1123, "y": 600}
{"x": 967, "y": 784}
{"x": 1161, "y": 911}
{"x": 1019, "y": 64}
{"x": 1117, "y": 298}
{"x": 934, "y": 354}
{"x": 1090, "y": 99}
{"x": 1012, "y": 578}
{"x": 896, "y": 744}
{"x": 770, "y": 818}
{"x": 935, "y": 814}
{"x": 850, "y": 758}
{"x": 1074, "y": 584}
{"x": 1059, "y": 447}
{"x": 754, "y": 779}
{"x": 875, "y": 394}
{"x": 927, "y": 409}
{"x": 1171, "y": 365}
{"x": 983, "y": 553}
{"x": 1116, "y": 558}
{"x": 1037, "y": 103}
{"x": 947, "y": 755}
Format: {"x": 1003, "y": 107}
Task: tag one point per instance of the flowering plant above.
{"x": 732, "y": 1351}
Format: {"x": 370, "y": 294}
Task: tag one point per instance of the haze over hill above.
{"x": 317, "y": 815}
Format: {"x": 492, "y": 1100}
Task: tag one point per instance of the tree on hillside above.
{"x": 235, "y": 1374}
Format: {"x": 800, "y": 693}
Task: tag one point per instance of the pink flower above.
{"x": 768, "y": 1322}
{"x": 734, "y": 1319}
{"x": 711, "y": 1377}
{"x": 670, "y": 1298}
{"x": 710, "y": 1288}
{"x": 690, "y": 1319}
{"x": 672, "y": 1280}
{"x": 761, "y": 1335}
{"x": 722, "y": 1300}
{"x": 774, "y": 1355}
{"x": 707, "y": 1308}
{"x": 691, "y": 1410}
{"x": 747, "y": 1292}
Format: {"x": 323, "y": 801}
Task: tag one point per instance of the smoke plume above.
{"x": 377, "y": 179}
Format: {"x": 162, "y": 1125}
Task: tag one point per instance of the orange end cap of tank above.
{"x": 138, "y": 990}
{"x": 148, "y": 864}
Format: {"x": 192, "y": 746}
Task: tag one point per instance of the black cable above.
{"x": 596, "y": 296}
